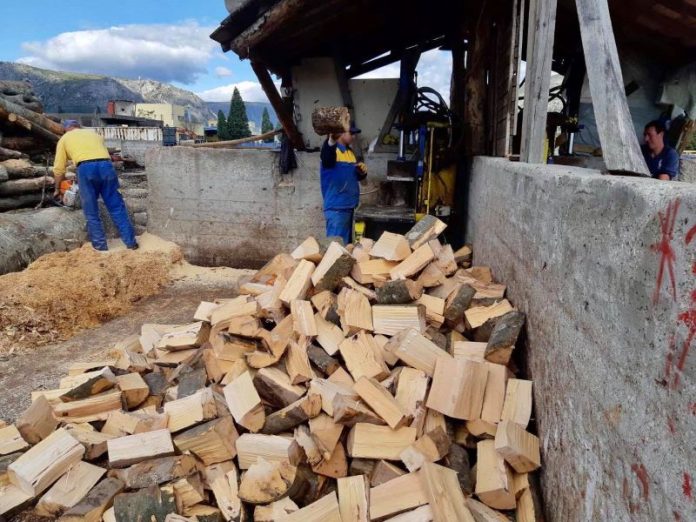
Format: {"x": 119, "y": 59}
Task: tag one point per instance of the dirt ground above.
{"x": 23, "y": 373}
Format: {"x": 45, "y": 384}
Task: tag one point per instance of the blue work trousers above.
{"x": 98, "y": 178}
{"x": 339, "y": 223}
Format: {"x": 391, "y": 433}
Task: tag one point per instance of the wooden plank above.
{"x": 353, "y": 499}
{"x": 518, "y": 447}
{"x": 44, "y": 463}
{"x": 223, "y": 480}
{"x": 325, "y": 509}
{"x": 458, "y": 388}
{"x": 285, "y": 117}
{"x": 518, "y": 402}
{"x": 369, "y": 441}
{"x": 124, "y": 451}
{"x": 11, "y": 440}
{"x": 381, "y": 401}
{"x": 540, "y": 33}
{"x": 69, "y": 490}
{"x": 416, "y": 350}
{"x": 445, "y": 497}
{"x": 617, "y": 135}
{"x": 244, "y": 403}
{"x": 397, "y": 495}
{"x": 391, "y": 319}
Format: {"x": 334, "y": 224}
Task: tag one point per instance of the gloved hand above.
{"x": 332, "y": 140}
{"x": 362, "y": 168}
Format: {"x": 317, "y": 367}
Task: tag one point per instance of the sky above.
{"x": 161, "y": 40}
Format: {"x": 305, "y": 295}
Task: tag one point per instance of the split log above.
{"x": 319, "y": 358}
{"x": 349, "y": 411}
{"x": 397, "y": 495}
{"x": 97, "y": 501}
{"x": 493, "y": 478}
{"x": 518, "y": 447}
{"x": 11, "y": 440}
{"x": 222, "y": 479}
{"x": 336, "y": 466}
{"x": 368, "y": 441}
{"x": 212, "y": 442}
{"x": 266, "y": 482}
{"x": 37, "y": 422}
{"x": 445, "y": 497}
{"x": 381, "y": 401}
{"x": 152, "y": 504}
{"x": 244, "y": 403}
{"x": 336, "y": 264}
{"x": 69, "y": 489}
{"x": 383, "y": 472}
{"x": 296, "y": 413}
{"x": 458, "y": 388}
{"x": 274, "y": 386}
{"x": 330, "y": 120}
{"x": 431, "y": 447}
{"x": 275, "y": 511}
{"x": 188, "y": 492}
{"x": 155, "y": 471}
{"x": 353, "y": 498}
{"x": 503, "y": 337}
{"x": 23, "y": 186}
{"x": 22, "y": 201}
{"x": 401, "y": 291}
{"x": 124, "y": 451}
{"x": 425, "y": 230}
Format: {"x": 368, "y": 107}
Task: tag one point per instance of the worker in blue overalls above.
{"x": 340, "y": 188}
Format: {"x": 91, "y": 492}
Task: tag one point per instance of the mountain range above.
{"x": 66, "y": 92}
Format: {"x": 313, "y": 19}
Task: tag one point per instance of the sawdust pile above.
{"x": 63, "y": 293}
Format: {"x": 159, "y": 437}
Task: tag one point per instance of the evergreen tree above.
{"x": 266, "y": 125}
{"x": 222, "y": 127}
{"x": 237, "y": 121}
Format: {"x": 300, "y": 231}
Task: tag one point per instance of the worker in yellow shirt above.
{"x": 95, "y": 177}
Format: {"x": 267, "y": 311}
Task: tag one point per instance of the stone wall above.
{"x": 233, "y": 207}
{"x": 611, "y": 321}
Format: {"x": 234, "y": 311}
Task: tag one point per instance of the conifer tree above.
{"x": 266, "y": 125}
{"x": 237, "y": 121}
{"x": 222, "y": 127}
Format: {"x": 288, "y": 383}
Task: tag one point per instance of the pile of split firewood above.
{"x": 371, "y": 382}
{"x": 27, "y": 140}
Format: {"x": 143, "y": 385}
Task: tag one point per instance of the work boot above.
{"x": 134, "y": 246}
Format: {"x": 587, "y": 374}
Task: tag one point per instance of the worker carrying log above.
{"x": 96, "y": 177}
{"x": 340, "y": 189}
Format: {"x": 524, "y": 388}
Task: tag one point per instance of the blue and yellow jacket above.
{"x": 339, "y": 177}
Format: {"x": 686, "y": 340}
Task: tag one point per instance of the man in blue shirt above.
{"x": 662, "y": 160}
{"x": 340, "y": 188}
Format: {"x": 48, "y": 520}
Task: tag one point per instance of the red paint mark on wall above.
{"x": 669, "y": 361}
{"x": 686, "y": 486}
{"x": 688, "y": 318}
{"x": 690, "y": 235}
{"x": 664, "y": 247}
{"x": 692, "y": 408}
{"x": 677, "y": 516}
{"x": 671, "y": 426}
{"x": 642, "y": 475}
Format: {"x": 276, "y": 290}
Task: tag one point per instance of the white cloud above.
{"x": 250, "y": 91}
{"x": 158, "y": 52}
{"x": 222, "y": 72}
{"x": 434, "y": 70}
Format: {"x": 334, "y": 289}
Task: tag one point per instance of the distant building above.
{"x": 171, "y": 115}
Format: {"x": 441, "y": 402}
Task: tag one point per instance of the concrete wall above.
{"x": 233, "y": 207}
{"x": 608, "y": 342}
{"x": 317, "y": 86}
{"x": 135, "y": 149}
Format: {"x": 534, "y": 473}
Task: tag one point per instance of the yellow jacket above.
{"x": 78, "y": 145}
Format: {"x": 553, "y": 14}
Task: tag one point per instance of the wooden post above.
{"x": 284, "y": 116}
{"x": 540, "y": 29}
{"x": 616, "y": 132}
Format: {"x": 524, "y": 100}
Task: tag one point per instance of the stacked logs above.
{"x": 371, "y": 382}
{"x": 25, "y": 133}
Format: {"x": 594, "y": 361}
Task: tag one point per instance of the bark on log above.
{"x": 4, "y": 176}
{"x": 22, "y": 143}
{"x": 21, "y": 93}
{"x": 25, "y": 186}
{"x": 22, "y": 201}
{"x": 19, "y": 121}
{"x": 6, "y": 154}
{"x": 21, "y": 168}
{"x": 34, "y": 117}
{"x": 36, "y": 128}
{"x": 330, "y": 120}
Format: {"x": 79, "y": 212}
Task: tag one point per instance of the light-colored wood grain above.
{"x": 329, "y": 336}
{"x": 38, "y": 468}
{"x": 369, "y": 441}
{"x": 416, "y": 350}
{"x": 273, "y": 448}
{"x": 96, "y": 407}
{"x": 309, "y": 249}
{"x": 124, "y": 451}
{"x": 223, "y": 480}
{"x": 362, "y": 359}
{"x": 11, "y": 440}
{"x": 133, "y": 388}
{"x": 69, "y": 490}
{"x": 431, "y": 447}
{"x": 212, "y": 442}
{"x": 335, "y": 265}
{"x": 323, "y": 510}
{"x": 186, "y": 412}
{"x": 493, "y": 477}
{"x": 244, "y": 403}
{"x": 355, "y": 311}
{"x": 275, "y": 511}
{"x": 392, "y": 247}
{"x": 494, "y": 396}
{"x": 458, "y": 388}
{"x": 444, "y": 494}
{"x": 397, "y": 495}
{"x": 303, "y": 318}
{"x": 413, "y": 264}
{"x": 297, "y": 361}
{"x": 326, "y": 434}
{"x": 299, "y": 282}
{"x": 381, "y": 401}
{"x": 518, "y": 447}
{"x": 353, "y": 498}
{"x": 476, "y": 316}
{"x": 391, "y": 319}
{"x": 518, "y": 402}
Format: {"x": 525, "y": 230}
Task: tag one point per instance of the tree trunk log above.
{"x": 33, "y": 117}
{"x": 25, "y": 186}
{"x": 330, "y": 120}
{"x": 6, "y": 154}
{"x": 21, "y": 201}
{"x": 22, "y": 168}
{"x": 20, "y": 143}
{"x": 21, "y": 93}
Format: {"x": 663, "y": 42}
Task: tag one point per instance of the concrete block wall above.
{"x": 233, "y": 207}
{"x": 605, "y": 268}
